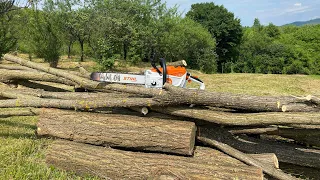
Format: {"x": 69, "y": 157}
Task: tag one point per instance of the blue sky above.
{"x": 278, "y": 12}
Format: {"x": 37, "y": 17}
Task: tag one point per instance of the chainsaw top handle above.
{"x": 164, "y": 69}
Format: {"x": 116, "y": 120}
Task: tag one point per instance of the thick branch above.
{"x": 246, "y": 158}
{"x": 83, "y": 82}
{"x": 245, "y": 119}
{"x": 6, "y": 75}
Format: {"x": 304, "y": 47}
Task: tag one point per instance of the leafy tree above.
{"x": 45, "y": 34}
{"x": 223, "y": 26}
{"x": 7, "y": 38}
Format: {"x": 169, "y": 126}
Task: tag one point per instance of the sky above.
{"x": 278, "y": 12}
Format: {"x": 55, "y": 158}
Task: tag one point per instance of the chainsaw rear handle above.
{"x": 196, "y": 80}
{"x": 164, "y": 69}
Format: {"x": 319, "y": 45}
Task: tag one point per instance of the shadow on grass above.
{"x": 18, "y": 135}
{"x": 17, "y": 124}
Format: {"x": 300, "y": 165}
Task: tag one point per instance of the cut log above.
{"x": 304, "y": 126}
{"x": 288, "y": 153}
{"x": 143, "y": 110}
{"x": 243, "y": 119}
{"x": 71, "y": 95}
{"x": 47, "y": 86}
{"x": 13, "y": 67}
{"x": 18, "y": 112}
{"x": 80, "y": 104}
{"x": 124, "y": 131}
{"x": 233, "y": 101}
{"x": 298, "y": 107}
{"x": 6, "y": 75}
{"x": 313, "y": 99}
{"x": 178, "y": 63}
{"x": 267, "y": 158}
{"x": 270, "y": 170}
{"x": 83, "y": 82}
{"x": 109, "y": 163}
{"x": 254, "y": 130}
{"x": 305, "y": 136}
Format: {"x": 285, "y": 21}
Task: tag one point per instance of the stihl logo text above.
{"x": 133, "y": 79}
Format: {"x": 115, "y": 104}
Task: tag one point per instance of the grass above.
{"x": 22, "y": 154}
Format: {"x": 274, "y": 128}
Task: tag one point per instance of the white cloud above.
{"x": 298, "y": 4}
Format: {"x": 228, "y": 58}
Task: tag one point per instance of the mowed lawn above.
{"x": 22, "y": 154}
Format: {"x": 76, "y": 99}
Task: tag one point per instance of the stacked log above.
{"x": 158, "y": 135}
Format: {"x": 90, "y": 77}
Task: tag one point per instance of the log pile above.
{"x": 118, "y": 131}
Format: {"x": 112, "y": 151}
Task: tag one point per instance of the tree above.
{"x": 223, "y": 26}
{"x": 44, "y": 25}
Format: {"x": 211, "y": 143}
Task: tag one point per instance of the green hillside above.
{"x": 302, "y": 23}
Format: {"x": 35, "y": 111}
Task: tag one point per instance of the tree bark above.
{"x": 72, "y": 95}
{"x": 79, "y": 80}
{"x": 14, "y": 67}
{"x": 233, "y": 101}
{"x": 288, "y": 153}
{"x": 80, "y": 104}
{"x": 109, "y": 163}
{"x": 267, "y": 158}
{"x": 243, "y": 119}
{"x": 6, "y": 75}
{"x": 298, "y": 107}
{"x": 182, "y": 63}
{"x": 138, "y": 133}
{"x": 270, "y": 170}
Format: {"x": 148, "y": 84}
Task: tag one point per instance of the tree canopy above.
{"x": 223, "y": 26}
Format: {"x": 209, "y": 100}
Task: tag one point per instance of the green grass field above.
{"x": 22, "y": 154}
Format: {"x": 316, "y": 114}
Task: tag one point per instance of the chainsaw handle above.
{"x": 164, "y": 70}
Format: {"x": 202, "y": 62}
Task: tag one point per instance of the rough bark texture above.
{"x": 270, "y": 170}
{"x": 79, "y": 80}
{"x": 14, "y": 67}
{"x": 267, "y": 158}
{"x": 6, "y": 75}
{"x": 116, "y": 164}
{"x": 305, "y": 136}
{"x": 72, "y": 95}
{"x": 233, "y": 101}
{"x": 298, "y": 107}
{"x": 243, "y": 119}
{"x": 125, "y": 131}
{"x": 80, "y": 104}
{"x": 285, "y": 152}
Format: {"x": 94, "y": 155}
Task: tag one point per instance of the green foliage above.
{"x": 286, "y": 50}
{"x": 7, "y": 38}
{"x": 44, "y": 35}
{"x": 223, "y": 26}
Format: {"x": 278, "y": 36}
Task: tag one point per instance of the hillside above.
{"x": 302, "y": 23}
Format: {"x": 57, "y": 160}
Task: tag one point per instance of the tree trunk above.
{"x": 83, "y": 82}
{"x": 82, "y": 49}
{"x": 69, "y": 48}
{"x": 14, "y": 67}
{"x": 109, "y": 163}
{"x": 243, "y": 119}
{"x": 270, "y": 170}
{"x": 138, "y": 133}
{"x": 6, "y": 75}
{"x": 233, "y": 101}
{"x": 80, "y": 104}
{"x": 288, "y": 153}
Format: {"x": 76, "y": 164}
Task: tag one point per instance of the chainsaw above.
{"x": 152, "y": 78}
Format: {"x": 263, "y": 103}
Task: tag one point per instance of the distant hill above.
{"x": 302, "y": 23}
